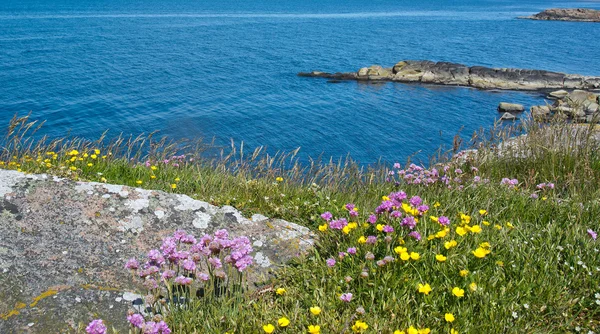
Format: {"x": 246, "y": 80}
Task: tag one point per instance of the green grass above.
{"x": 541, "y": 276}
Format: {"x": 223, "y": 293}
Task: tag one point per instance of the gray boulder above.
{"x": 508, "y": 117}
{"x": 63, "y": 245}
{"x": 540, "y": 112}
{"x": 558, "y": 94}
{"x": 510, "y": 107}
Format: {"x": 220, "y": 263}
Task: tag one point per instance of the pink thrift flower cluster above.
{"x": 441, "y": 175}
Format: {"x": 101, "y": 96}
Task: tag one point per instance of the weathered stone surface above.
{"x": 567, "y": 14}
{"x": 63, "y": 245}
{"x": 540, "y": 112}
{"x": 444, "y": 73}
{"x": 510, "y": 107}
{"x": 558, "y": 94}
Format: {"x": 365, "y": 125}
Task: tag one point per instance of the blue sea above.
{"x": 227, "y": 69}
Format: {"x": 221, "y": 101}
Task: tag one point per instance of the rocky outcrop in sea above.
{"x": 567, "y": 14}
{"x": 445, "y": 73}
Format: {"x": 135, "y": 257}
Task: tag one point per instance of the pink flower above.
{"x": 346, "y": 297}
{"x": 443, "y": 220}
{"x": 388, "y": 229}
{"x": 183, "y": 280}
{"x": 327, "y": 216}
{"x": 592, "y": 234}
{"x": 96, "y": 327}
{"x": 330, "y": 262}
{"x": 351, "y": 250}
{"x": 132, "y": 264}
{"x": 137, "y": 320}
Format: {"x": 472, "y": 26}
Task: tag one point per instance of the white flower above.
{"x": 526, "y": 306}
{"x": 560, "y": 248}
{"x": 578, "y": 328}
{"x": 597, "y": 295}
{"x": 515, "y": 315}
{"x": 598, "y": 301}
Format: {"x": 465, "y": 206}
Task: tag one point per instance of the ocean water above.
{"x": 226, "y": 69}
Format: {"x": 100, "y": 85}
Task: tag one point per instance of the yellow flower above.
{"x": 486, "y": 223}
{"x": 379, "y": 227}
{"x": 153, "y": 167}
{"x": 153, "y": 176}
{"x": 415, "y": 256}
{"x": 385, "y": 198}
{"x": 138, "y": 181}
{"x": 431, "y": 237}
{"x": 412, "y": 330}
{"x": 509, "y": 225}
{"x": 453, "y": 331}
{"x": 480, "y": 252}
{"x": 500, "y": 263}
{"x": 437, "y": 204}
{"x": 85, "y": 155}
{"x": 177, "y": 179}
{"x": 103, "y": 179}
{"x": 315, "y": 310}
{"x": 73, "y": 168}
{"x": 173, "y": 186}
{"x": 483, "y": 212}
{"x": 498, "y": 227}
{"x": 476, "y": 229}
{"x": 268, "y": 328}
{"x": 434, "y": 218}
{"x": 441, "y": 234}
{"x": 440, "y": 258}
{"x": 90, "y": 164}
{"x": 399, "y": 250}
{"x": 93, "y": 156}
{"x": 397, "y": 331}
{"x": 346, "y": 229}
{"x": 465, "y": 219}
{"x": 405, "y": 256}
{"x": 485, "y": 245}
{"x": 449, "y": 317}
{"x": 424, "y": 331}
{"x": 323, "y": 227}
{"x": 424, "y": 289}
{"x": 458, "y": 292}
{"x": 352, "y": 225}
{"x": 280, "y": 291}
{"x": 362, "y": 240}
{"x": 73, "y": 152}
{"x": 97, "y": 151}
{"x": 461, "y": 231}
{"x": 544, "y": 198}
{"x": 473, "y": 286}
{"x": 359, "y": 326}
{"x": 314, "y": 329}
{"x": 279, "y": 179}
{"x": 464, "y": 273}
{"x": 283, "y": 322}
{"x": 450, "y": 244}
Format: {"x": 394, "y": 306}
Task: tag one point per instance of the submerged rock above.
{"x": 63, "y": 245}
{"x": 508, "y": 117}
{"x": 567, "y": 14}
{"x": 445, "y": 73}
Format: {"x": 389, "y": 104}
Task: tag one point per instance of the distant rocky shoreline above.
{"x": 567, "y": 14}
{"x": 446, "y": 73}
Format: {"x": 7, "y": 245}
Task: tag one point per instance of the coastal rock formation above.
{"x": 579, "y": 105}
{"x": 567, "y": 14}
{"x": 510, "y": 107}
{"x": 445, "y": 73}
{"x": 63, "y": 245}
